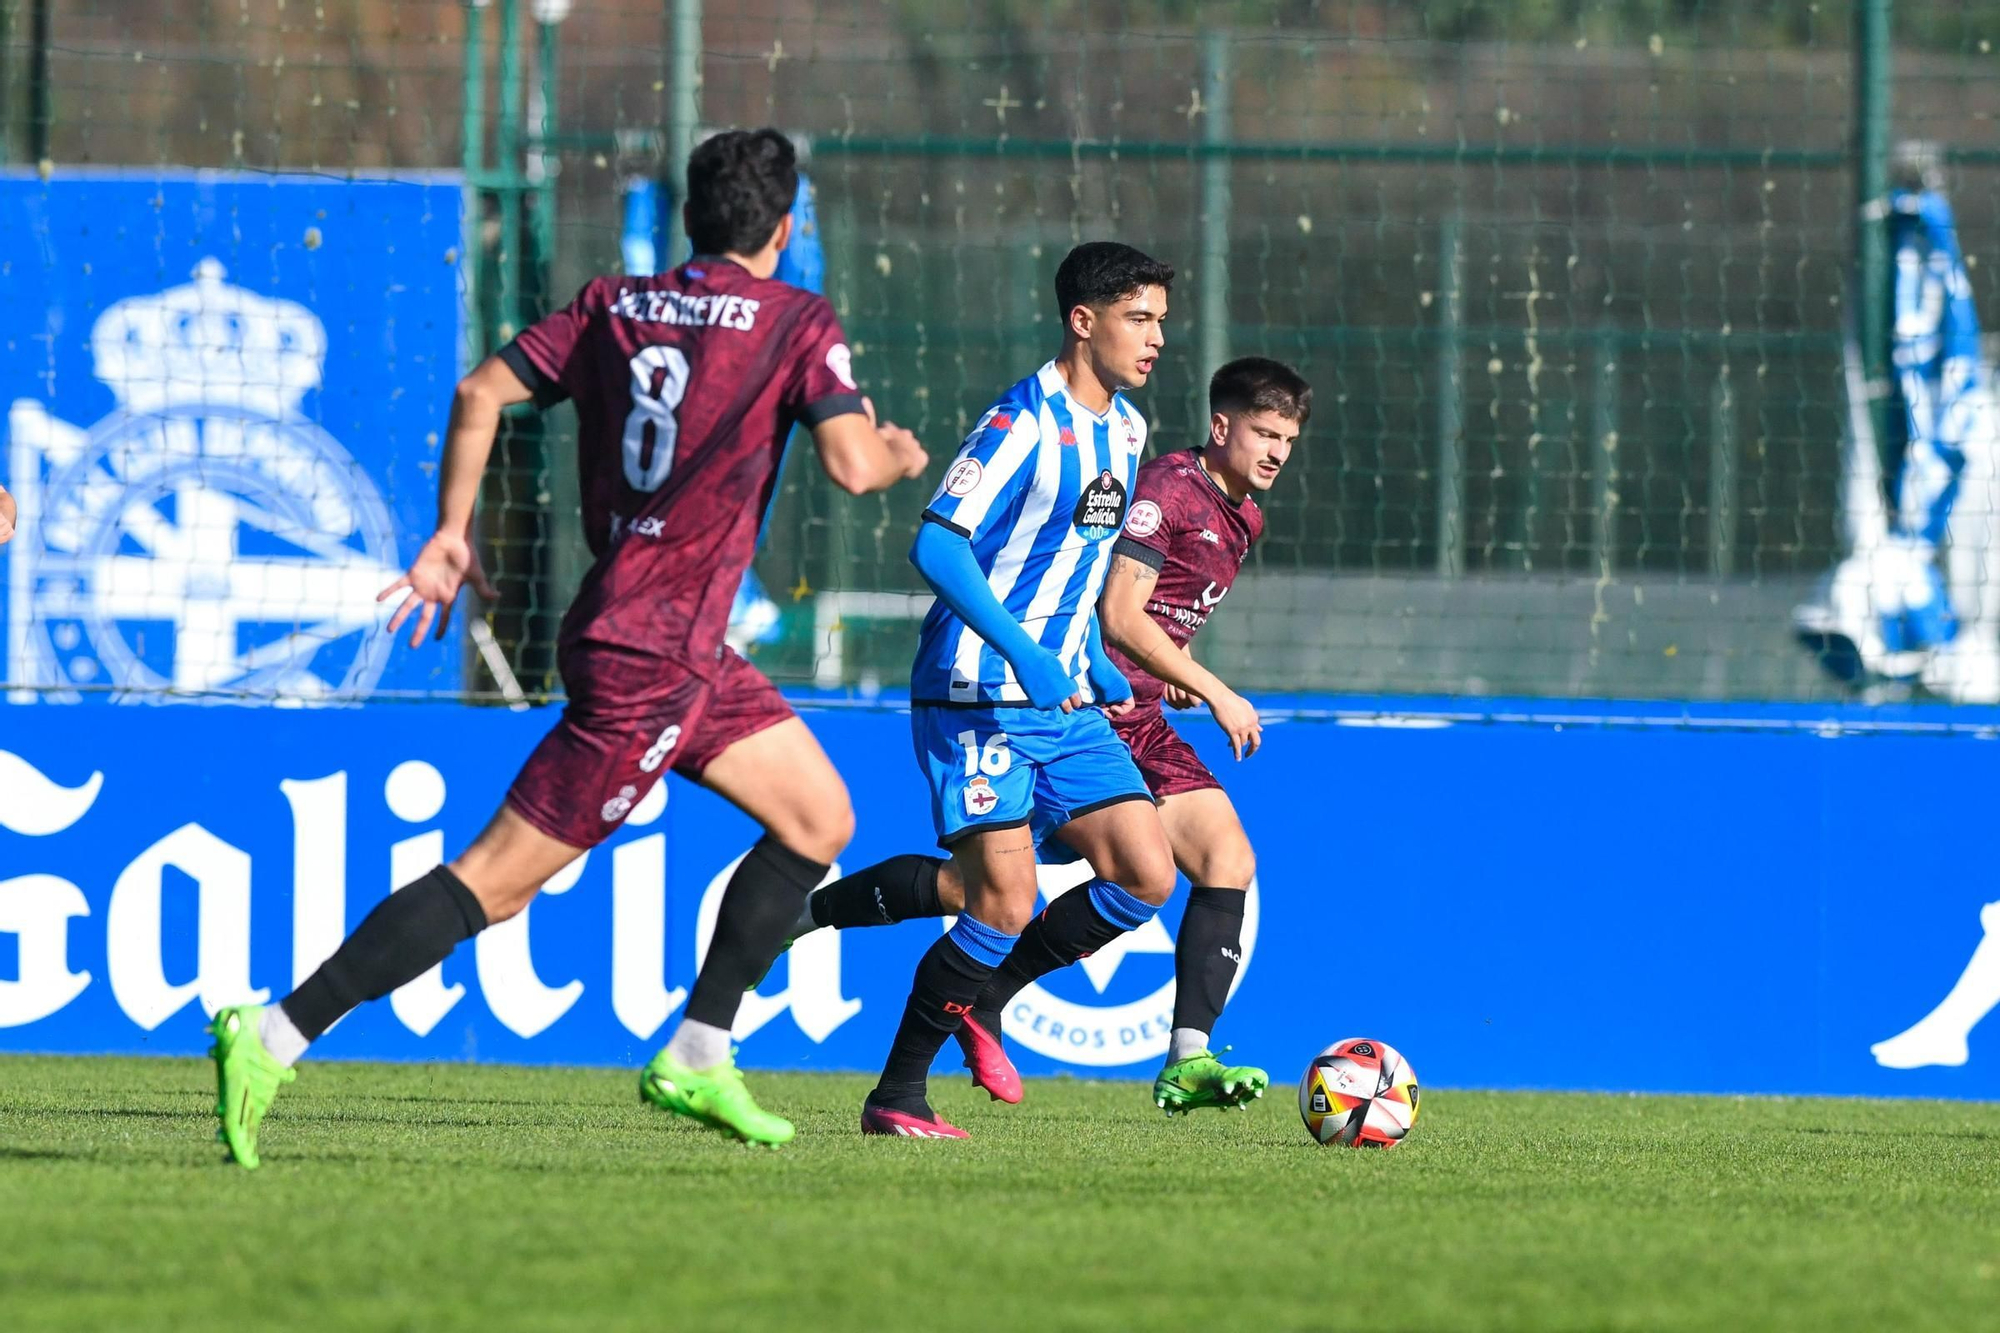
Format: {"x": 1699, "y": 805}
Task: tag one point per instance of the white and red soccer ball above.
{"x": 1359, "y": 1094}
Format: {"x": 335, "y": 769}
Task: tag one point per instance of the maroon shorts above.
{"x": 1167, "y": 763}
{"x": 632, "y": 716}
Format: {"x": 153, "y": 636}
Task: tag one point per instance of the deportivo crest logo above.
{"x": 980, "y": 797}
{"x": 1130, "y": 1014}
{"x": 1144, "y": 520}
{"x": 206, "y": 536}
{"x": 1102, "y": 504}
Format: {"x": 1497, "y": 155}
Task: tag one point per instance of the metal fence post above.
{"x": 1215, "y": 205}
{"x": 1604, "y": 457}
{"x": 473, "y": 163}
{"x": 1871, "y": 184}
{"x": 1722, "y": 463}
{"x": 683, "y": 120}
{"x": 507, "y": 255}
{"x": 1451, "y": 404}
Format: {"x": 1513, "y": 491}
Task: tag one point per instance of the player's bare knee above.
{"x": 500, "y": 901}
{"x": 819, "y": 833}
{"x": 1012, "y": 918}
{"x": 1148, "y": 876}
{"x": 1228, "y": 867}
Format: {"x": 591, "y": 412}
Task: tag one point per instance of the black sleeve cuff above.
{"x": 1139, "y": 551}
{"x": 943, "y": 522}
{"x": 547, "y": 392}
{"x": 833, "y": 405}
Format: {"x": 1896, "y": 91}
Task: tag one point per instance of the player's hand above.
{"x": 903, "y": 446}
{"x": 446, "y": 563}
{"x": 1108, "y": 683}
{"x": 1239, "y": 721}
{"x": 1047, "y": 684}
{"x": 6, "y": 529}
{"x": 1176, "y": 697}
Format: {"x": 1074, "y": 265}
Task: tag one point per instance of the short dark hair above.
{"x": 1259, "y": 384}
{"x": 740, "y": 183}
{"x": 1097, "y": 273}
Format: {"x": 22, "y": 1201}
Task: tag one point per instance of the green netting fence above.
{"x": 1571, "y": 279}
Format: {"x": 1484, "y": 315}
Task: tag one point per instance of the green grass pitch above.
{"x": 448, "y": 1197}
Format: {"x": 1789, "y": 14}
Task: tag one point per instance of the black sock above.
{"x": 947, "y": 980}
{"x": 1206, "y": 956}
{"x": 1069, "y": 928}
{"x": 409, "y": 933}
{"x": 897, "y": 889}
{"x": 759, "y": 906}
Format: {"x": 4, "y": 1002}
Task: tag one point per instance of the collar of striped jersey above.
{"x": 1053, "y": 383}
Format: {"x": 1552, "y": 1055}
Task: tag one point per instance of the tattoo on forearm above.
{"x": 1139, "y": 570}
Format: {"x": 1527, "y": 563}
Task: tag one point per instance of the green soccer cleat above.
{"x": 1201, "y": 1080}
{"x": 713, "y": 1097}
{"x": 247, "y": 1079}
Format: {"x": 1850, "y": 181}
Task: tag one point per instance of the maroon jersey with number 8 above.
{"x": 1183, "y": 525}
{"x": 687, "y": 385}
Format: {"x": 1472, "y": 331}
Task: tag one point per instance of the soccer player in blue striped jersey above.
{"x": 1011, "y": 683}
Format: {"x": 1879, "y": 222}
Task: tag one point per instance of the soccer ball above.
{"x": 1359, "y": 1094}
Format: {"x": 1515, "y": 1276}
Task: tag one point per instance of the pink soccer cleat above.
{"x": 885, "y": 1120}
{"x": 987, "y": 1059}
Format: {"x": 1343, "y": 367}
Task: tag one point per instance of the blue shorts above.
{"x": 991, "y": 768}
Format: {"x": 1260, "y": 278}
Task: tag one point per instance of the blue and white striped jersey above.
{"x": 1040, "y": 488}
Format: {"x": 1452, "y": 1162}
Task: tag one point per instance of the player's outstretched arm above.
{"x": 449, "y": 559}
{"x": 1121, "y": 610}
{"x": 7, "y": 516}
{"x": 862, "y": 456}
{"x": 944, "y": 557}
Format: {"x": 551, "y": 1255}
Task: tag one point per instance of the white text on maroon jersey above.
{"x": 725, "y": 310}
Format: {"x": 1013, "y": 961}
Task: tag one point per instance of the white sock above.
{"x": 1185, "y": 1042}
{"x": 699, "y": 1045}
{"x": 281, "y": 1036}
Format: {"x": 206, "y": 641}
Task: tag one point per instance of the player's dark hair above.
{"x": 740, "y": 183}
{"x": 1097, "y": 273}
{"x": 1259, "y": 384}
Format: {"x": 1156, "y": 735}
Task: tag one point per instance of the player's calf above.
{"x": 901, "y": 888}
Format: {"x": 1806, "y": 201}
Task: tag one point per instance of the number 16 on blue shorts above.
{"x": 991, "y": 768}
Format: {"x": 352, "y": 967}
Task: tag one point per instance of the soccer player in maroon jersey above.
{"x": 1193, "y": 520}
{"x": 687, "y": 385}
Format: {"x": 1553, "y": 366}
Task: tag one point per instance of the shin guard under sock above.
{"x": 409, "y": 933}
{"x": 759, "y": 906}
{"x": 1206, "y": 956}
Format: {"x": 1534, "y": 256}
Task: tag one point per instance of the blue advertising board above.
{"x": 1555, "y": 905}
{"x": 227, "y": 401}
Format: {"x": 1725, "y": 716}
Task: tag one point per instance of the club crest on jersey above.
{"x": 620, "y": 805}
{"x": 841, "y": 362}
{"x": 1144, "y": 520}
{"x": 1102, "y": 504}
{"x": 980, "y": 797}
{"x": 963, "y": 479}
